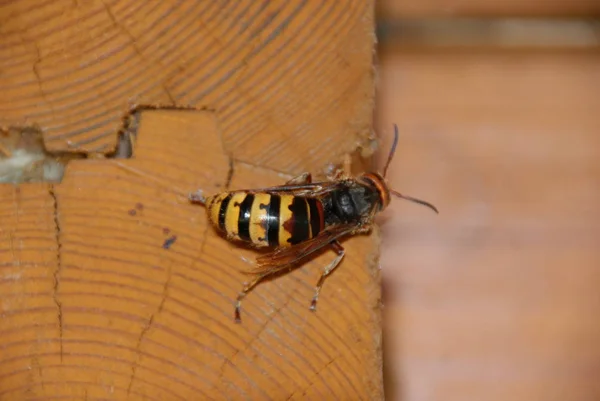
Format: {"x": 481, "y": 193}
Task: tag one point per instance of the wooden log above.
{"x": 113, "y": 285}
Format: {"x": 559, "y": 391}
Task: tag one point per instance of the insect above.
{"x": 299, "y": 218}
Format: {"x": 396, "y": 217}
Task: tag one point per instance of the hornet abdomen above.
{"x": 266, "y": 219}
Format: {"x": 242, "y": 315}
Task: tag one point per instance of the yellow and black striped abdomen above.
{"x": 266, "y": 219}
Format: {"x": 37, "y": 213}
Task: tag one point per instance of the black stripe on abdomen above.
{"x": 298, "y": 225}
{"x": 244, "y": 217}
{"x": 273, "y": 220}
{"x": 315, "y": 216}
{"x": 223, "y": 211}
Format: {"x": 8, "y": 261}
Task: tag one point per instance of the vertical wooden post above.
{"x": 93, "y": 305}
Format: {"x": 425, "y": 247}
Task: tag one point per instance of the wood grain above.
{"x": 497, "y": 297}
{"x": 285, "y": 67}
{"x": 113, "y": 286}
{"x": 29, "y": 312}
{"x": 158, "y": 323}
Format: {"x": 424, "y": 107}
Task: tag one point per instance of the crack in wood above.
{"x": 57, "y": 271}
{"x": 256, "y": 336}
{"x": 146, "y": 328}
{"x": 312, "y": 382}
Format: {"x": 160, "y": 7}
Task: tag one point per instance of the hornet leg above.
{"x": 337, "y": 247}
{"x": 247, "y": 288}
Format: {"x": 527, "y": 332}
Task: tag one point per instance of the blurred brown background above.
{"x": 498, "y": 106}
